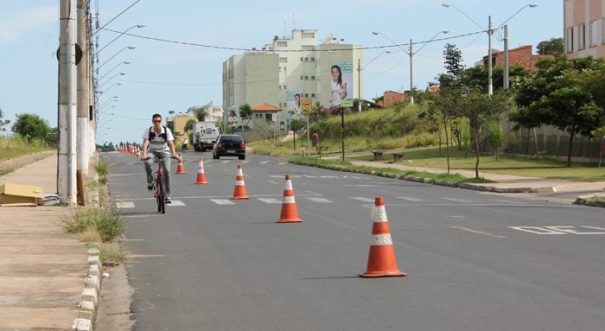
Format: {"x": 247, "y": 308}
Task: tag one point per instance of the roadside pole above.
{"x": 66, "y": 183}
{"x": 83, "y": 140}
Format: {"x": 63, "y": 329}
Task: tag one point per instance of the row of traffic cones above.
{"x": 382, "y": 261}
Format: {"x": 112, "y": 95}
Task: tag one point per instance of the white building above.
{"x": 290, "y": 69}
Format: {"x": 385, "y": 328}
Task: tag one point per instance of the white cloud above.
{"x": 26, "y": 20}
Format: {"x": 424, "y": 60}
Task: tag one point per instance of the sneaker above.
{"x": 167, "y": 200}
{"x": 150, "y": 187}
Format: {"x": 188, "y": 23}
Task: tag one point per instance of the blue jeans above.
{"x": 164, "y": 160}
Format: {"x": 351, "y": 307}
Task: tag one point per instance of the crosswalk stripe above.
{"x": 362, "y": 199}
{"x": 318, "y": 200}
{"x": 125, "y": 204}
{"x": 269, "y": 200}
{"x": 222, "y": 202}
{"x": 410, "y": 199}
{"x": 176, "y": 203}
{"x": 457, "y": 200}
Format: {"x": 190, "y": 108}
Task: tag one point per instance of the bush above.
{"x": 107, "y": 223}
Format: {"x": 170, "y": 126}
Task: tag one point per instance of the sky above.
{"x": 175, "y": 76}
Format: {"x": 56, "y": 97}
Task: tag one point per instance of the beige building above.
{"x": 584, "y": 24}
{"x": 180, "y": 120}
{"x": 290, "y": 69}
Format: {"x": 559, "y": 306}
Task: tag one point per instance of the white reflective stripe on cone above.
{"x": 379, "y": 214}
{"x": 381, "y": 240}
{"x": 239, "y": 183}
{"x": 289, "y": 200}
{"x": 288, "y": 185}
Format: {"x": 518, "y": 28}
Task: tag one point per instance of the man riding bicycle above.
{"x": 159, "y": 141}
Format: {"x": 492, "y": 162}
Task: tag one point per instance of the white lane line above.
{"x": 225, "y": 161}
{"x": 457, "y": 200}
{"x": 282, "y": 163}
{"x": 222, "y": 202}
{"x": 125, "y": 204}
{"x": 410, "y": 199}
{"x": 483, "y": 233}
{"x": 264, "y": 162}
{"x": 310, "y": 176}
{"x": 269, "y": 200}
{"x": 176, "y": 203}
{"x": 272, "y": 182}
{"x": 244, "y": 162}
{"x": 330, "y": 176}
{"x": 318, "y": 200}
{"x": 362, "y": 199}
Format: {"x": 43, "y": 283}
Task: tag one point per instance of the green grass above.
{"x": 598, "y": 199}
{"x": 108, "y": 223}
{"x": 386, "y": 172}
{"x": 15, "y": 146}
{"x": 510, "y": 165}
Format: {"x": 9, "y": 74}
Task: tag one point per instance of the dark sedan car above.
{"x": 229, "y": 145}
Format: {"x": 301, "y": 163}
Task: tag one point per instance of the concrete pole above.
{"x": 359, "y": 85}
{"x": 490, "y": 87}
{"x": 83, "y": 91}
{"x": 66, "y": 179}
{"x": 411, "y": 74}
{"x": 506, "y": 59}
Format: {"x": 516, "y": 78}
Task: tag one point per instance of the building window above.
{"x": 301, "y": 59}
{"x": 594, "y": 33}
{"x": 570, "y": 39}
{"x": 312, "y": 95}
{"x": 306, "y": 95}
{"x": 283, "y": 60}
{"x": 302, "y": 77}
{"x": 312, "y": 59}
{"x": 306, "y": 59}
{"x": 581, "y": 36}
{"x": 312, "y": 77}
{"x": 306, "y": 77}
{"x": 282, "y": 44}
{"x": 308, "y": 35}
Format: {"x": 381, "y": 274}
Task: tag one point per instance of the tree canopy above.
{"x": 31, "y": 126}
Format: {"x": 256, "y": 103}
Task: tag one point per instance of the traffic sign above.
{"x": 307, "y": 105}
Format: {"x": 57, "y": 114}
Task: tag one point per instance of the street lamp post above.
{"x": 109, "y": 88}
{"x": 121, "y": 34}
{"x": 114, "y": 68}
{"x": 490, "y": 31}
{"x": 411, "y": 54}
{"x": 116, "y": 54}
{"x": 359, "y": 68}
{"x": 112, "y": 77}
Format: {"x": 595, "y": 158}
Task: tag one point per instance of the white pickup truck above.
{"x": 204, "y": 135}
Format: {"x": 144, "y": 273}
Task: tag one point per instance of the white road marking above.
{"x": 125, "y": 204}
{"x": 318, "y": 200}
{"x": 483, "y": 233}
{"x": 176, "y": 203}
{"x": 222, "y": 202}
{"x": 264, "y": 162}
{"x": 330, "y": 176}
{"x": 457, "y": 200}
{"x": 272, "y": 182}
{"x": 225, "y": 161}
{"x": 410, "y": 199}
{"x": 509, "y": 201}
{"x": 282, "y": 163}
{"x": 269, "y": 200}
{"x": 362, "y": 199}
{"x": 244, "y": 162}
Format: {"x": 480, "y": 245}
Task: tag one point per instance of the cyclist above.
{"x": 159, "y": 141}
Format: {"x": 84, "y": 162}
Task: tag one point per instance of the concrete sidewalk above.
{"x": 42, "y": 269}
{"x": 566, "y": 189}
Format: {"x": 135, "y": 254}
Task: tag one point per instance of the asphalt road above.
{"x": 475, "y": 261}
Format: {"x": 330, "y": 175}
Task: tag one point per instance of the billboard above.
{"x": 293, "y": 99}
{"x": 341, "y": 83}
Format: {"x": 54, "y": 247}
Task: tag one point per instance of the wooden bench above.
{"x": 378, "y": 155}
{"x": 397, "y": 156}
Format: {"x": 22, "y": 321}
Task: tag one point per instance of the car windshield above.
{"x": 231, "y": 138}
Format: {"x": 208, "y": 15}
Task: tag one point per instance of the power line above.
{"x": 186, "y": 43}
{"x": 114, "y": 18}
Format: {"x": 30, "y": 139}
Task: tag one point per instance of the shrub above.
{"x": 107, "y": 223}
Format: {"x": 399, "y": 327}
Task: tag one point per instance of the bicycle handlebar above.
{"x": 149, "y": 157}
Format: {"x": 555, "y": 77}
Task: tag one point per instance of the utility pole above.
{"x": 83, "y": 88}
{"x": 66, "y": 183}
{"x": 359, "y": 85}
{"x": 506, "y": 59}
{"x": 411, "y": 74}
{"x": 490, "y": 87}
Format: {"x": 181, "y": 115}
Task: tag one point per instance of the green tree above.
{"x": 245, "y": 112}
{"x": 476, "y": 77}
{"x": 31, "y": 126}
{"x": 3, "y": 122}
{"x": 560, "y": 94}
{"x": 200, "y": 113}
{"x": 190, "y": 125}
{"x": 554, "y": 46}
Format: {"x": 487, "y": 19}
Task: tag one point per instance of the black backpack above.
{"x": 162, "y": 135}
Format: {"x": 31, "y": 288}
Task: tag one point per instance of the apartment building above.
{"x": 290, "y": 69}
{"x": 584, "y": 28}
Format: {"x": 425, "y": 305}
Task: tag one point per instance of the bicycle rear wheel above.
{"x": 161, "y": 196}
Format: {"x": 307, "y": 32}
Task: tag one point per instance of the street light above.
{"x": 411, "y": 54}
{"x": 114, "y": 68}
{"x": 121, "y": 34}
{"x": 116, "y": 54}
{"x": 109, "y": 88}
{"x": 490, "y": 31}
{"x": 359, "y": 68}
{"x": 112, "y": 99}
{"x": 112, "y": 77}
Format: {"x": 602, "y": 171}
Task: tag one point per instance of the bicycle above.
{"x": 159, "y": 184}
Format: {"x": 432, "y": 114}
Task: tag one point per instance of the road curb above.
{"x": 584, "y": 200}
{"x": 90, "y": 295}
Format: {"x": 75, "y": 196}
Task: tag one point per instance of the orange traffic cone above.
{"x": 201, "y": 176}
{"x": 289, "y": 212}
{"x": 240, "y": 193}
{"x": 381, "y": 260}
{"x": 180, "y": 168}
